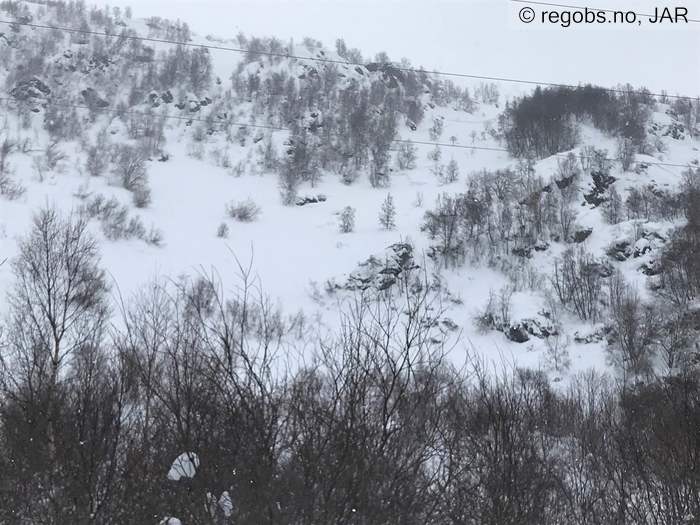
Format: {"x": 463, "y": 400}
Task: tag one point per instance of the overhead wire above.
{"x": 396, "y": 67}
{"x": 280, "y": 128}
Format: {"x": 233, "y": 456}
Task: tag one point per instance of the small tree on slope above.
{"x": 387, "y": 216}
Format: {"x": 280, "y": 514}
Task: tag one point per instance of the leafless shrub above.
{"x": 577, "y": 283}
{"x": 117, "y": 222}
{"x": 557, "y": 352}
{"x": 130, "y": 168}
{"x": 9, "y": 188}
{"x": 97, "y": 161}
{"x": 347, "y": 220}
{"x": 53, "y": 155}
{"x": 626, "y": 151}
{"x": 406, "y": 156}
{"x": 243, "y": 211}
{"x": 635, "y": 328}
{"x": 222, "y": 231}
{"x": 141, "y": 196}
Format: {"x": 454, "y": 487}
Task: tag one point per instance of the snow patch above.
{"x": 184, "y": 466}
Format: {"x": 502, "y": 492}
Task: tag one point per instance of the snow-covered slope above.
{"x": 211, "y": 153}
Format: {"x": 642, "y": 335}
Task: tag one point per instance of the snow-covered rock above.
{"x": 184, "y": 466}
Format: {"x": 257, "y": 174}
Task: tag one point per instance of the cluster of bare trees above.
{"x": 680, "y": 278}
{"x": 577, "y": 281}
{"x": 120, "y": 73}
{"x": 546, "y": 122}
{"x": 9, "y": 187}
{"x": 505, "y": 212}
{"x": 342, "y": 119}
{"x": 372, "y": 426}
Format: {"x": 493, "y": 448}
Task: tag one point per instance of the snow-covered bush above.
{"x": 347, "y": 220}
{"x": 116, "y": 221}
{"x": 612, "y": 208}
{"x": 435, "y": 131}
{"x": 154, "y": 237}
{"x": 96, "y": 162}
{"x": 450, "y": 172}
{"x": 141, "y": 196}
{"x": 387, "y": 215}
{"x": 243, "y": 211}
{"x": 222, "y": 231}
{"x": 406, "y": 156}
{"x": 53, "y": 155}
{"x": 626, "y": 152}
{"x": 10, "y": 188}
{"x": 557, "y": 356}
{"x": 577, "y": 281}
{"x": 130, "y": 170}
{"x": 435, "y": 154}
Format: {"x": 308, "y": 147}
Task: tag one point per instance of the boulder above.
{"x": 601, "y": 183}
{"x": 582, "y": 235}
{"x": 30, "y": 89}
{"x": 93, "y": 99}
{"x": 310, "y": 199}
{"x": 518, "y": 333}
{"x": 620, "y": 251}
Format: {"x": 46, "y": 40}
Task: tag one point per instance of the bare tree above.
{"x": 387, "y": 215}
{"x": 406, "y": 156}
{"x": 577, "y": 282}
{"x": 130, "y": 168}
{"x": 635, "y": 329}
{"x": 57, "y": 314}
{"x": 347, "y": 220}
{"x": 626, "y": 152}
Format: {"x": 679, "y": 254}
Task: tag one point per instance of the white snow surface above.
{"x": 295, "y": 250}
{"x": 184, "y": 466}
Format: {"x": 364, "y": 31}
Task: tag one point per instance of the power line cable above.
{"x": 327, "y": 60}
{"x": 280, "y": 128}
{"x": 560, "y": 155}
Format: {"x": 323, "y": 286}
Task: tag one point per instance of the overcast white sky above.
{"x": 480, "y": 37}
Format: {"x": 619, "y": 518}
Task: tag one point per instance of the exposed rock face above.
{"x": 391, "y": 75}
{"x": 620, "y": 251}
{"x": 649, "y": 242}
{"x": 676, "y": 131}
{"x": 526, "y": 251}
{"x": 582, "y": 235}
{"x": 30, "y": 89}
{"x": 310, "y": 199}
{"x": 565, "y": 182}
{"x": 595, "y": 335}
{"x": 192, "y": 105}
{"x": 521, "y": 331}
{"x": 156, "y": 99}
{"x": 601, "y": 183}
{"x": 98, "y": 62}
{"x": 93, "y": 99}
{"x": 517, "y": 333}
{"x": 382, "y": 273}
{"x": 522, "y": 251}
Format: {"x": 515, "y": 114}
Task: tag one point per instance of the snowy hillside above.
{"x": 291, "y": 171}
{"x": 214, "y": 158}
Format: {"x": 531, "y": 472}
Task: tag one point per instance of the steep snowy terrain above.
{"x": 215, "y": 131}
{"x": 252, "y": 281}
